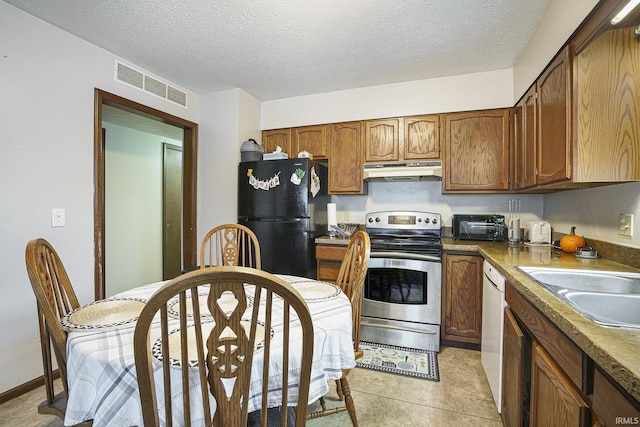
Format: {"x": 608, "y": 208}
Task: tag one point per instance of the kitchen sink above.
{"x": 615, "y": 282}
{"x": 607, "y": 309}
{"x": 610, "y": 298}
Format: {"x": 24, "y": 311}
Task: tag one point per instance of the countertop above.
{"x": 336, "y": 241}
{"x": 615, "y": 350}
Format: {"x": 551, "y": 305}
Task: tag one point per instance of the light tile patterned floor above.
{"x": 462, "y": 397}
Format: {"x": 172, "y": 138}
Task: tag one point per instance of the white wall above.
{"x": 47, "y": 81}
{"x": 594, "y": 211}
{"x": 558, "y": 23}
{"x": 491, "y": 89}
{"x": 227, "y": 119}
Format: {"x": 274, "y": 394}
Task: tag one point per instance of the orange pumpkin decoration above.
{"x": 570, "y": 242}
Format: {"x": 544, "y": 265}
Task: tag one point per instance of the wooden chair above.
{"x": 55, "y": 298}
{"x": 223, "y": 356}
{"x": 230, "y": 244}
{"x": 353, "y": 271}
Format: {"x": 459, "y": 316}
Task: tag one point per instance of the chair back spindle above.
{"x": 230, "y": 244}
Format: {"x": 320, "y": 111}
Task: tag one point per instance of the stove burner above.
{"x": 405, "y": 232}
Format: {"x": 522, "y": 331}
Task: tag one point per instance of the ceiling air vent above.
{"x": 142, "y": 81}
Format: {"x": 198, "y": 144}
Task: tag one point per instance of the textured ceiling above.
{"x": 283, "y": 48}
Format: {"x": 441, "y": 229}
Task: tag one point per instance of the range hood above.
{"x": 416, "y": 171}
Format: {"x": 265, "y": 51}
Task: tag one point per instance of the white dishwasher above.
{"x": 493, "y": 304}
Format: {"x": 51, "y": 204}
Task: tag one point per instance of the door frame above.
{"x": 189, "y": 180}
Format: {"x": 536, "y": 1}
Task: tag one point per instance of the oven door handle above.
{"x": 364, "y": 322}
{"x": 401, "y": 255}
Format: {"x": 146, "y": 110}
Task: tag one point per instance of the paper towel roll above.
{"x": 332, "y": 216}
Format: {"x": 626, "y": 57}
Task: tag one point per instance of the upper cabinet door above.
{"x": 271, "y": 139}
{"x": 421, "y": 137}
{"x": 345, "y": 159}
{"x": 476, "y": 151}
{"x": 554, "y": 121}
{"x": 526, "y": 140}
{"x": 381, "y": 140}
{"x": 312, "y": 139}
{"x": 608, "y": 108}
{"x": 404, "y": 139}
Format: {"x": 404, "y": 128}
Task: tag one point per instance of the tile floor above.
{"x": 462, "y": 397}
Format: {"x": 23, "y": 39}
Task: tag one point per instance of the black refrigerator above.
{"x": 284, "y": 202}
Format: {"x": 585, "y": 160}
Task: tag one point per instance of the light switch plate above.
{"x": 625, "y": 225}
{"x": 57, "y": 218}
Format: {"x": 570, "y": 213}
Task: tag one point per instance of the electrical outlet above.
{"x": 345, "y": 216}
{"x": 625, "y": 225}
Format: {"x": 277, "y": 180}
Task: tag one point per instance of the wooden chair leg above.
{"x": 348, "y": 400}
{"x": 323, "y": 404}
{"x": 339, "y": 390}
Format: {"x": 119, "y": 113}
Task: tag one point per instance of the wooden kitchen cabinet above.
{"x": 421, "y": 140}
{"x": 382, "y": 141}
{"x": 328, "y": 259}
{"x": 413, "y": 138}
{"x": 567, "y": 388}
{"x": 516, "y": 371}
{"x": 462, "y": 299}
{"x": 612, "y": 405}
{"x": 544, "y": 128}
{"x": 346, "y": 156}
{"x": 553, "y": 120}
{"x": 277, "y": 137}
{"x": 555, "y": 401}
{"x": 313, "y": 139}
{"x": 607, "y": 81}
{"x": 476, "y": 146}
{"x": 525, "y": 141}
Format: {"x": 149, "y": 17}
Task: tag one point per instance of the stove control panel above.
{"x": 403, "y": 220}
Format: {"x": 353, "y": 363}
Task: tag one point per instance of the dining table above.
{"x": 101, "y": 372}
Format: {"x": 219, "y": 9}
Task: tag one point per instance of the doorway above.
{"x": 186, "y": 222}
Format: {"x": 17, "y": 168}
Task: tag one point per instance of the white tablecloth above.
{"x": 102, "y": 376}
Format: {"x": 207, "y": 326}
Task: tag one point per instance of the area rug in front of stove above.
{"x": 400, "y": 360}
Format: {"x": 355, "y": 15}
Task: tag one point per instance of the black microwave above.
{"x": 479, "y": 227}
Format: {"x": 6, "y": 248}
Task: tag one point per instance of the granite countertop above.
{"x": 615, "y": 350}
{"x": 337, "y": 241}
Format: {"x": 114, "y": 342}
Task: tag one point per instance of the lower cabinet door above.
{"x": 462, "y": 298}
{"x": 515, "y": 375}
{"x": 554, "y": 399}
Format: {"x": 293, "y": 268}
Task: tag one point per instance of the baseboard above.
{"x": 25, "y": 388}
{"x": 458, "y": 344}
